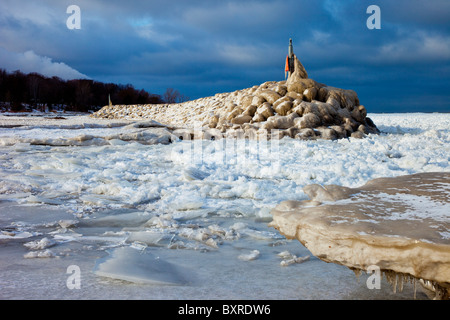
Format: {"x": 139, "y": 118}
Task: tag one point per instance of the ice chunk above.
{"x": 192, "y": 214}
{"x": 138, "y": 266}
{"x": 40, "y": 244}
{"x": 289, "y": 258}
{"x": 264, "y": 214}
{"x": 17, "y": 235}
{"x": 120, "y": 220}
{"x": 39, "y": 254}
{"x": 22, "y": 147}
{"x": 194, "y": 174}
{"x": 117, "y": 142}
{"x": 243, "y": 229}
{"x": 145, "y": 124}
{"x": 36, "y": 199}
{"x": 285, "y": 254}
{"x": 383, "y": 226}
{"x": 200, "y": 235}
{"x": 238, "y": 226}
{"x": 254, "y": 254}
{"x": 163, "y": 222}
{"x": 217, "y": 230}
{"x": 150, "y": 237}
{"x": 67, "y": 223}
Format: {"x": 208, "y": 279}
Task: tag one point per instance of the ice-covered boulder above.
{"x": 400, "y": 225}
{"x": 332, "y": 112}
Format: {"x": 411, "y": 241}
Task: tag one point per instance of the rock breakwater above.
{"x": 299, "y": 107}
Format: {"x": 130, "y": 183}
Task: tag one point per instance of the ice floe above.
{"x": 397, "y": 224}
{"x": 130, "y": 264}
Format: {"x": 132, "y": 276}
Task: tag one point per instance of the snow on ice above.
{"x": 124, "y": 185}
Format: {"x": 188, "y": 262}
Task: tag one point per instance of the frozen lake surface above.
{"x": 186, "y": 220}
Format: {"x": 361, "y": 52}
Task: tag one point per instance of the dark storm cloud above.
{"x": 205, "y": 47}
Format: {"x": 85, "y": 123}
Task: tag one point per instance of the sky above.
{"x": 204, "y": 47}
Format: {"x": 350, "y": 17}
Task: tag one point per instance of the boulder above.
{"x": 283, "y": 108}
{"x": 309, "y": 120}
{"x": 357, "y": 135}
{"x": 310, "y": 94}
{"x": 265, "y": 110}
{"x": 306, "y": 134}
{"x": 213, "y": 121}
{"x": 233, "y": 114}
{"x": 280, "y": 89}
{"x": 269, "y": 95}
{"x": 280, "y": 122}
{"x": 340, "y": 131}
{"x": 359, "y": 113}
{"x": 298, "y": 108}
{"x": 301, "y": 85}
{"x": 250, "y": 111}
{"x": 245, "y": 101}
{"x": 257, "y": 101}
{"x": 338, "y": 97}
{"x": 258, "y": 118}
{"x": 281, "y": 100}
{"x": 327, "y": 112}
{"x": 241, "y": 119}
{"x": 291, "y": 132}
{"x": 229, "y": 106}
{"x": 295, "y": 95}
{"x": 327, "y": 133}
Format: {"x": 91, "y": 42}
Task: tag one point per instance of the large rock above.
{"x": 241, "y": 119}
{"x": 265, "y": 110}
{"x": 280, "y": 122}
{"x": 399, "y": 225}
{"x": 270, "y": 95}
{"x": 283, "y": 108}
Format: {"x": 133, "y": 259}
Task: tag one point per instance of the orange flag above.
{"x": 286, "y": 67}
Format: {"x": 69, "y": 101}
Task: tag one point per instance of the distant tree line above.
{"x": 174, "y": 96}
{"x": 21, "y": 91}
